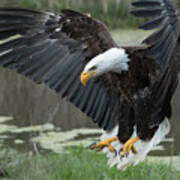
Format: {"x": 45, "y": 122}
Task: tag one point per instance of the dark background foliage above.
{"x": 114, "y": 13}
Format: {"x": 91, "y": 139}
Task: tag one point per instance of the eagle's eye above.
{"x": 93, "y": 68}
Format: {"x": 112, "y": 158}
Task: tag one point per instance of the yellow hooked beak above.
{"x": 86, "y": 76}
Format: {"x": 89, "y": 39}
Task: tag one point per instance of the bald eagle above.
{"x": 125, "y": 90}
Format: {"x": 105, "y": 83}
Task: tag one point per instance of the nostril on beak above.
{"x": 84, "y": 73}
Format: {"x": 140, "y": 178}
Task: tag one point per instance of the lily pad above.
{"x": 18, "y": 141}
{"x": 36, "y": 128}
{"x": 58, "y": 141}
{"x": 7, "y": 128}
{"x": 4, "y": 119}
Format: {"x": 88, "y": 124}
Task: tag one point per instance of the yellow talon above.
{"x": 129, "y": 145}
{"x": 105, "y": 143}
{"x": 134, "y": 150}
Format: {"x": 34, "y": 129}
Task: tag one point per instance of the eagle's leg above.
{"x": 105, "y": 143}
{"x": 129, "y": 145}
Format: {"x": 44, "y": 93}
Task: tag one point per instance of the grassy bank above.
{"x": 78, "y": 164}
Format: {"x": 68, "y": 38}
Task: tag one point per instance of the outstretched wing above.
{"x": 155, "y": 100}
{"x": 53, "y": 49}
{"x": 166, "y": 18}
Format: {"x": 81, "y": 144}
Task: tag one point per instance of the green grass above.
{"x": 78, "y": 164}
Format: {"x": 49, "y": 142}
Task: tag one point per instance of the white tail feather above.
{"x": 142, "y": 147}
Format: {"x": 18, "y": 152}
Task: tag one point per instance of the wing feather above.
{"x": 165, "y": 17}
{"x": 53, "y": 49}
{"x": 147, "y": 3}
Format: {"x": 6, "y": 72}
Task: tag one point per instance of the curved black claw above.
{"x": 93, "y": 146}
{"x": 115, "y": 153}
{"x": 120, "y": 154}
{"x": 90, "y": 146}
{"x": 120, "y": 151}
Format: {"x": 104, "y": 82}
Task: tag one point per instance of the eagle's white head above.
{"x": 113, "y": 60}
